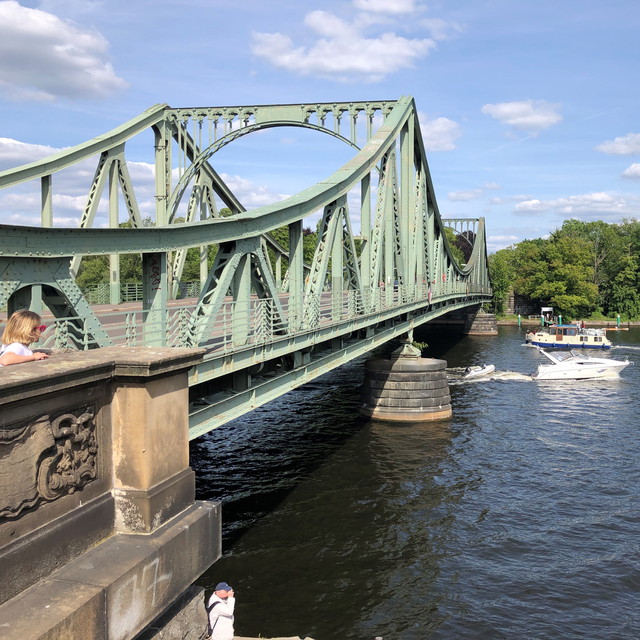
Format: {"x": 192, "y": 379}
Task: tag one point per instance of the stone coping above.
{"x": 66, "y": 368}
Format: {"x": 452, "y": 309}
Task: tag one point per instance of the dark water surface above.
{"x": 518, "y": 518}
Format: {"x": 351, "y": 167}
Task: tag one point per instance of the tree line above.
{"x": 582, "y": 270}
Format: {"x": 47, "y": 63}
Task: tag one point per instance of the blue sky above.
{"x": 529, "y": 110}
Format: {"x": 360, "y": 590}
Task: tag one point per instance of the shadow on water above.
{"x": 252, "y": 463}
{"x": 377, "y": 492}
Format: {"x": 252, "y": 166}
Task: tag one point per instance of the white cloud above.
{"x": 508, "y": 199}
{"x": 474, "y": 194}
{"x": 341, "y": 50}
{"x": 50, "y": 58}
{"x": 70, "y": 7}
{"x": 386, "y": 6}
{"x": 525, "y": 115}
{"x": 495, "y": 243}
{"x": 587, "y": 206}
{"x": 24, "y": 209}
{"x": 439, "y": 134}
{"x": 622, "y": 146}
{"x": 632, "y": 172}
{"x": 14, "y": 153}
{"x": 440, "y": 29}
{"x": 465, "y": 196}
{"x": 250, "y": 194}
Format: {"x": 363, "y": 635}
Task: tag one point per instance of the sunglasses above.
{"x": 41, "y": 327}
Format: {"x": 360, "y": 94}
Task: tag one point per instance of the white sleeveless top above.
{"x": 17, "y": 348}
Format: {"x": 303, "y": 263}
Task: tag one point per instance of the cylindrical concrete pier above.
{"x": 406, "y": 388}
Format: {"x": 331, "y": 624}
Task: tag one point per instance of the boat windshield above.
{"x": 561, "y": 356}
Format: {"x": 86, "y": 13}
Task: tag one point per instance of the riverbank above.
{"x": 287, "y": 638}
{"x": 611, "y": 325}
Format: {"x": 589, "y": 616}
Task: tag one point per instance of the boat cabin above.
{"x": 560, "y": 331}
{"x": 574, "y": 334}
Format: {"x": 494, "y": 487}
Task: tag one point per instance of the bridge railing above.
{"x": 134, "y": 291}
{"x": 238, "y": 325}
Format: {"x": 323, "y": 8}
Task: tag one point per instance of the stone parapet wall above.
{"x": 99, "y": 529}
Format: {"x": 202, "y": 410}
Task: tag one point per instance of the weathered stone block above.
{"x": 185, "y": 620}
{"x": 55, "y": 610}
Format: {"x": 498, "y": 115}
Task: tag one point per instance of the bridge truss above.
{"x": 269, "y": 321}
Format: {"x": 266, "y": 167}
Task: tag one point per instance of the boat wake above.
{"x": 513, "y": 375}
{"x": 457, "y": 376}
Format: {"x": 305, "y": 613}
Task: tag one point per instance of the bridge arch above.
{"x": 206, "y": 154}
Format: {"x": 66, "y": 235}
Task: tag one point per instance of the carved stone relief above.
{"x": 45, "y": 459}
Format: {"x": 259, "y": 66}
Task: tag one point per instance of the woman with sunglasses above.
{"x": 23, "y": 328}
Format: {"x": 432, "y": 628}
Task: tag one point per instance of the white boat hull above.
{"x": 574, "y": 366}
{"x": 553, "y": 372}
{"x": 474, "y": 372}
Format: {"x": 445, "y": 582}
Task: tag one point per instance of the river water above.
{"x": 518, "y": 518}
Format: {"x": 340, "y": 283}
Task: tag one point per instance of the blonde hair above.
{"x": 21, "y": 327}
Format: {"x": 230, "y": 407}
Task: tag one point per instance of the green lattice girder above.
{"x": 34, "y": 242}
{"x": 406, "y": 242}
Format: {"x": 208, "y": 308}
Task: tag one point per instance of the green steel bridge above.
{"x": 268, "y": 320}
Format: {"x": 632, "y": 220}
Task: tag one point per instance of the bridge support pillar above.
{"x": 100, "y": 532}
{"x": 406, "y": 388}
{"x": 481, "y": 323}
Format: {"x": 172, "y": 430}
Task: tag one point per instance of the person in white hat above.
{"x": 221, "y": 605}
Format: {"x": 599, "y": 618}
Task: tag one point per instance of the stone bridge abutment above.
{"x": 100, "y": 532}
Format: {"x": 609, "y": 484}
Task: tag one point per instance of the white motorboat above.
{"x": 477, "y": 370}
{"x": 571, "y": 365}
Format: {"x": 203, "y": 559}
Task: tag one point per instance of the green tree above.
{"x": 624, "y": 296}
{"x": 456, "y": 252}
{"x": 607, "y": 248}
{"x": 281, "y": 236}
{"x": 558, "y": 271}
{"x": 93, "y": 270}
{"x": 501, "y": 275}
